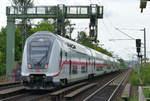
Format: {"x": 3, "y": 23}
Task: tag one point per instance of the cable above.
{"x": 90, "y": 1}
{"x": 117, "y": 28}
{"x": 107, "y": 29}
{"x": 124, "y": 33}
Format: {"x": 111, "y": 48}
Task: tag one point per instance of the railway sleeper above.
{"x": 126, "y": 92}
{"x": 75, "y": 93}
{"x": 58, "y": 95}
{"x": 11, "y": 92}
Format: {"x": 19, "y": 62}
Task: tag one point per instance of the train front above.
{"x": 35, "y": 62}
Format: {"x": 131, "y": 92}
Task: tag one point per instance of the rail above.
{"x": 118, "y": 86}
{"x": 114, "y": 92}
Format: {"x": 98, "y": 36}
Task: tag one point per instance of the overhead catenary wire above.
{"x": 109, "y": 20}
{"x": 124, "y": 33}
{"x": 90, "y": 1}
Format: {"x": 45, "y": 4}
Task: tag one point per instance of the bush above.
{"x": 134, "y": 78}
{"x": 135, "y": 99}
{"x": 145, "y": 74}
{"x": 146, "y": 92}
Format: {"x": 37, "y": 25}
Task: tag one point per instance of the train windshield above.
{"x": 39, "y": 50}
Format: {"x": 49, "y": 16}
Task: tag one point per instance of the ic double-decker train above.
{"x": 50, "y": 60}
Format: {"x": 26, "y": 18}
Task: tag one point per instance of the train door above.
{"x": 91, "y": 64}
{"x": 70, "y": 65}
{"x": 94, "y": 66}
{"x": 69, "y": 59}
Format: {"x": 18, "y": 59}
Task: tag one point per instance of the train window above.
{"x": 60, "y": 57}
{"x": 94, "y": 63}
{"x": 109, "y": 66}
{"x": 83, "y": 69}
{"x": 99, "y": 68}
{"x": 89, "y": 61}
{"x": 70, "y": 67}
{"x": 66, "y": 55}
{"x": 74, "y": 69}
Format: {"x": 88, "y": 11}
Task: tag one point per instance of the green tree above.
{"x": 86, "y": 41}
{"x": 18, "y": 45}
{"x": 43, "y": 26}
{"x": 22, "y": 2}
{"x": 122, "y": 63}
{"x": 3, "y": 51}
{"x": 18, "y": 48}
{"x": 68, "y": 29}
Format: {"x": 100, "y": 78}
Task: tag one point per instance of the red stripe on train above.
{"x": 73, "y": 63}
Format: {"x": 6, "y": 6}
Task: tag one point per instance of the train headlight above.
{"x": 29, "y": 66}
{"x": 46, "y": 66}
{"x": 32, "y": 76}
{"x": 44, "y": 76}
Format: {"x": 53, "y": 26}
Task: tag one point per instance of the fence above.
{"x": 142, "y": 96}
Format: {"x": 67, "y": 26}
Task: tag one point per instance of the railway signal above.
{"x": 138, "y": 46}
{"x": 143, "y": 4}
{"x": 138, "y": 42}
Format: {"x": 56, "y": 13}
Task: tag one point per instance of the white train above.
{"x": 50, "y": 60}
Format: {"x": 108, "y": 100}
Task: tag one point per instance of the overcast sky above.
{"x": 122, "y": 14}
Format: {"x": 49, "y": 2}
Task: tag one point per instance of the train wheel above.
{"x": 91, "y": 76}
{"x": 63, "y": 82}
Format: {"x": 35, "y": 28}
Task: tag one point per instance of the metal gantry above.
{"x": 59, "y": 12}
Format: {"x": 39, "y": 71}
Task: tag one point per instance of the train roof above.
{"x": 78, "y": 47}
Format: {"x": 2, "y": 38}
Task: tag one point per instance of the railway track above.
{"x": 60, "y": 95}
{"x": 7, "y": 85}
{"x": 78, "y": 92}
{"x": 110, "y": 90}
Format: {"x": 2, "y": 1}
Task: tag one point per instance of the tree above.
{"x": 43, "y": 26}
{"x": 86, "y": 41}
{"x": 68, "y": 29}
{"x": 22, "y": 3}
{"x": 122, "y": 63}
{"x": 3, "y": 51}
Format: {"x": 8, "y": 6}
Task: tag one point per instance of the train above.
{"x": 50, "y": 60}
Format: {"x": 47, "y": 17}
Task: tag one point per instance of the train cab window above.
{"x": 39, "y": 49}
{"x": 74, "y": 69}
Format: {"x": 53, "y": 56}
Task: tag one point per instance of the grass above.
{"x": 135, "y": 99}
{"x": 145, "y": 74}
{"x": 134, "y": 79}
{"x": 146, "y": 92}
